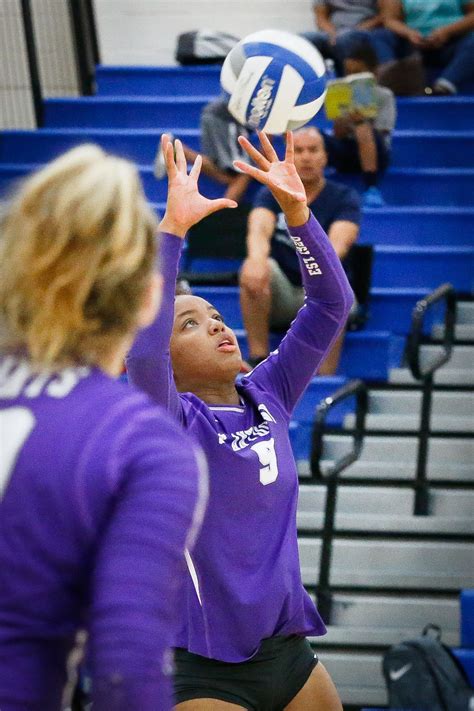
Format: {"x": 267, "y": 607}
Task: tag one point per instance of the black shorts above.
{"x": 266, "y": 682}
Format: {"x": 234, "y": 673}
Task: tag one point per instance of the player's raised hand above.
{"x": 185, "y": 206}
{"x": 279, "y": 176}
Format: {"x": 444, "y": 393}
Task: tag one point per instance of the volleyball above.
{"x": 275, "y": 81}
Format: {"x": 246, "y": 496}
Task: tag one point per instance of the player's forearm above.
{"x": 323, "y": 276}
{"x": 148, "y": 362}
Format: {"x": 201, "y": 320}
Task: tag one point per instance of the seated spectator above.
{"x": 359, "y": 145}
{"x": 219, "y": 148}
{"x": 271, "y": 289}
{"x": 340, "y": 23}
{"x": 441, "y": 30}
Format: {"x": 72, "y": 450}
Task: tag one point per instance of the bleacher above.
{"x": 392, "y": 572}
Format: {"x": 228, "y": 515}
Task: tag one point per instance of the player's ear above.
{"x": 151, "y": 301}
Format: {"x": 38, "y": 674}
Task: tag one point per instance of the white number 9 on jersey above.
{"x": 266, "y": 454}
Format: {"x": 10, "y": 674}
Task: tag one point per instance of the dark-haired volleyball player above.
{"x": 246, "y": 614}
{"x": 95, "y": 507}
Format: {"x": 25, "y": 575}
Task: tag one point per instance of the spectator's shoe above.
{"x": 159, "y": 166}
{"x": 373, "y": 198}
{"x": 441, "y": 88}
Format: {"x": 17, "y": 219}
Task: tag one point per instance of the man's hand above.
{"x": 255, "y": 276}
{"x": 185, "y": 206}
{"x": 279, "y": 176}
{"x": 416, "y": 38}
{"x": 437, "y": 38}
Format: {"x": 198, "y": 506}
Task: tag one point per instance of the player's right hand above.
{"x": 185, "y": 206}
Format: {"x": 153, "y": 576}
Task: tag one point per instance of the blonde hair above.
{"x": 77, "y": 247}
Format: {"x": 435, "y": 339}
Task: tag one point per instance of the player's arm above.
{"x": 140, "y": 568}
{"x": 148, "y": 363}
{"x": 286, "y": 372}
{"x": 255, "y": 272}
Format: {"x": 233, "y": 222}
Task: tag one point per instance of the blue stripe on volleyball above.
{"x": 270, "y": 81}
{"x": 313, "y": 85}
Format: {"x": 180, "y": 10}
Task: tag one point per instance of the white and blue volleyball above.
{"x": 275, "y": 81}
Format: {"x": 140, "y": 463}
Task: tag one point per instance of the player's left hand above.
{"x": 185, "y": 206}
{"x": 279, "y": 176}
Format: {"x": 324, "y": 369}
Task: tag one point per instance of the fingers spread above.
{"x": 220, "y": 204}
{"x": 196, "y": 169}
{"x": 254, "y": 154}
{"x": 268, "y": 148}
{"x": 168, "y": 152}
{"x": 180, "y": 159}
{"x": 290, "y": 149}
{"x": 260, "y": 175}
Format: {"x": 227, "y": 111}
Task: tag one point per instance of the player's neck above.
{"x": 111, "y": 360}
{"x": 313, "y": 188}
{"x": 217, "y": 394}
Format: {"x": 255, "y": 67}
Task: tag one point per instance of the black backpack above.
{"x": 422, "y": 674}
{"x": 204, "y": 47}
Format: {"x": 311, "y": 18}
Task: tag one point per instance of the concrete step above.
{"x": 459, "y": 370}
{"x": 443, "y": 376}
{"x": 357, "y": 676}
{"x": 400, "y": 410}
{"x": 411, "y": 423}
{"x": 393, "y": 564}
{"x": 386, "y": 501}
{"x": 449, "y": 459}
{"x": 462, "y": 331}
{"x": 465, "y": 312}
{"x": 386, "y": 619}
{"x": 387, "y": 509}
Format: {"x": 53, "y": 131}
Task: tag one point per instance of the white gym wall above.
{"x": 145, "y": 31}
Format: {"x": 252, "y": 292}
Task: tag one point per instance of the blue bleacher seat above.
{"x": 151, "y": 111}
{"x": 157, "y": 81}
{"x": 418, "y": 226}
{"x": 467, "y": 619}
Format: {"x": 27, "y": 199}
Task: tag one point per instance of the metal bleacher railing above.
{"x": 358, "y": 389}
{"x": 425, "y": 373}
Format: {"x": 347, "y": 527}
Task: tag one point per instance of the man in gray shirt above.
{"x": 341, "y": 23}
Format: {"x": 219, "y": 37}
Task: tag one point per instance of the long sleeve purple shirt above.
{"x": 95, "y": 510}
{"x": 244, "y": 581}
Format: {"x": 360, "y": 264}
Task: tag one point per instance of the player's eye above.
{"x": 189, "y": 322}
{"x": 218, "y": 317}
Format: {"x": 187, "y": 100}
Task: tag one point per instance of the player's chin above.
{"x": 230, "y": 363}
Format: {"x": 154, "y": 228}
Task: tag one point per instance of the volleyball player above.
{"x": 245, "y": 616}
{"x": 95, "y": 507}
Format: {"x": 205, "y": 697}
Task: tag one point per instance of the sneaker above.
{"x": 159, "y": 166}
{"x": 373, "y": 198}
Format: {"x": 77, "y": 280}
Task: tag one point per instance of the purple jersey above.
{"x": 95, "y": 509}
{"x": 245, "y": 580}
